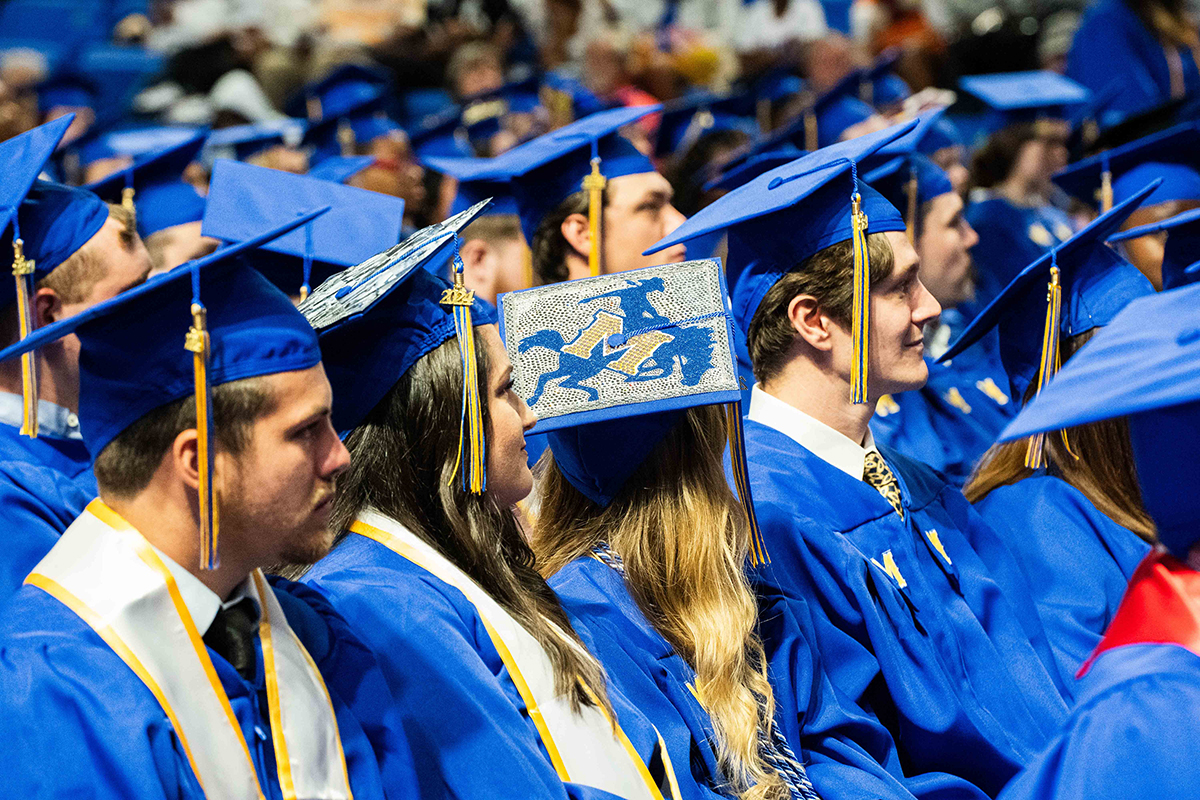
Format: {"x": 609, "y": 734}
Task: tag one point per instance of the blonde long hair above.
{"x": 683, "y": 538}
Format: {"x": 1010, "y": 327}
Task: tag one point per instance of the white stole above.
{"x": 586, "y": 747}
{"x": 108, "y": 574}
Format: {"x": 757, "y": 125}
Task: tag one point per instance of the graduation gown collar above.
{"x": 1161, "y": 606}
{"x": 105, "y": 572}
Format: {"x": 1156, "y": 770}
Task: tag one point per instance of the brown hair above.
{"x": 549, "y": 246}
{"x": 683, "y": 538}
{"x": 994, "y": 161}
{"x": 127, "y": 463}
{"x": 402, "y": 457}
{"x": 825, "y": 275}
{"x": 493, "y": 228}
{"x": 1103, "y": 472}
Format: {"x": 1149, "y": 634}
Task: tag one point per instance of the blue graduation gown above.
{"x": 647, "y": 670}
{"x": 948, "y": 423}
{"x": 45, "y": 483}
{"x": 469, "y": 729}
{"x": 954, "y": 662}
{"x": 78, "y": 722}
{"x": 1078, "y": 561}
{"x": 1011, "y": 238}
{"x": 1134, "y": 730}
{"x": 644, "y": 667}
{"x": 1113, "y": 51}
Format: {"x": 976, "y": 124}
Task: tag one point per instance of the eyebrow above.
{"x": 313, "y": 416}
{"x": 660, "y": 195}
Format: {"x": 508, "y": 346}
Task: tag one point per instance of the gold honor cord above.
{"x": 23, "y": 274}
{"x": 910, "y": 216}
{"x": 1051, "y": 360}
{"x": 470, "y": 429}
{"x": 860, "y": 327}
{"x": 199, "y": 342}
{"x": 594, "y": 185}
{"x": 741, "y": 480}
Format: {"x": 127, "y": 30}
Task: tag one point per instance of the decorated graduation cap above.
{"x": 1026, "y": 96}
{"x": 1079, "y": 285}
{"x": 1181, "y": 254}
{"x": 685, "y": 120}
{"x": 375, "y": 320}
{"x": 153, "y": 189}
{"x": 746, "y": 168}
{"x": 340, "y": 169}
{"x": 211, "y": 321}
{"x": 245, "y": 141}
{"x": 609, "y": 363}
{"x": 1145, "y": 366}
{"x": 244, "y": 199}
{"x": 580, "y": 156}
{"x": 44, "y": 224}
{"x": 1113, "y": 175}
{"x": 782, "y": 217}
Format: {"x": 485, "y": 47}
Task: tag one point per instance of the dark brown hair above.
{"x": 825, "y": 275}
{"x": 402, "y": 458}
{"x": 1103, "y": 472}
{"x": 549, "y": 246}
{"x": 995, "y": 159}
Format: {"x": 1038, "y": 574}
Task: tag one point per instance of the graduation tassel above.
{"x": 127, "y": 196}
{"x": 471, "y": 445}
{"x": 741, "y": 480}
{"x": 594, "y": 185}
{"x": 860, "y": 321}
{"x": 23, "y": 274}
{"x": 1106, "y": 189}
{"x": 810, "y": 131}
{"x": 199, "y": 342}
{"x": 305, "y": 285}
{"x": 1035, "y": 454}
{"x": 910, "y": 217}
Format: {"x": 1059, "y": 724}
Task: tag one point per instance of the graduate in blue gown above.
{"x": 1068, "y": 509}
{"x": 921, "y": 614}
{"x": 45, "y": 470}
{"x": 1118, "y": 49}
{"x": 1133, "y": 730}
{"x": 1015, "y": 209}
{"x": 146, "y": 657}
{"x": 950, "y": 421}
{"x": 610, "y": 495}
{"x": 491, "y": 684}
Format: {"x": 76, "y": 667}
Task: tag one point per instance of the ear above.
{"x": 185, "y": 457}
{"x": 47, "y": 307}
{"x": 577, "y": 233}
{"x": 474, "y": 254}
{"x": 810, "y": 323}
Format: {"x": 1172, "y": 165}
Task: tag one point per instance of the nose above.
{"x": 528, "y": 416}
{"x": 338, "y": 459}
{"x": 970, "y": 237}
{"x": 672, "y": 219}
{"x": 927, "y": 307}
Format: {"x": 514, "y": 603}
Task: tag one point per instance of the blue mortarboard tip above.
{"x": 24, "y": 156}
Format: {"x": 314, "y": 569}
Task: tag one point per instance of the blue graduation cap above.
{"x": 1145, "y": 366}
{"x": 942, "y": 133}
{"x": 44, "y": 224}
{"x": 579, "y": 156}
{"x": 99, "y": 143}
{"x": 340, "y": 169}
{"x": 782, "y": 217}
{"x": 824, "y": 121}
{"x": 745, "y": 168}
{"x": 347, "y": 88}
{"x": 1115, "y": 174}
{"x": 152, "y": 187}
{"x": 483, "y": 114}
{"x": 67, "y": 90}
{"x": 441, "y": 136}
{"x": 684, "y": 121}
{"x": 244, "y": 141}
{"x": 876, "y": 85}
{"x": 1181, "y": 254}
{"x": 341, "y": 135}
{"x": 475, "y": 184}
{"x": 1026, "y": 96}
{"x": 375, "y": 320}
{"x": 906, "y": 178}
{"x": 243, "y": 199}
{"x": 1075, "y": 287}
{"x": 596, "y": 359}
{"x": 211, "y": 321}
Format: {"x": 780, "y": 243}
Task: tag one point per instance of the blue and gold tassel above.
{"x": 594, "y": 185}
{"x": 199, "y": 342}
{"x": 306, "y": 280}
{"x": 1051, "y": 360}
{"x": 472, "y": 456}
{"x": 23, "y": 274}
{"x": 741, "y": 480}
{"x": 860, "y": 329}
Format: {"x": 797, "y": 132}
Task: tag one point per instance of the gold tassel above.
{"x": 23, "y": 273}
{"x": 910, "y": 218}
{"x": 594, "y": 185}
{"x": 527, "y": 265}
{"x": 810, "y": 131}
{"x": 200, "y": 344}
{"x": 470, "y": 430}
{"x": 127, "y": 203}
{"x": 1049, "y": 364}
{"x": 860, "y": 325}
{"x": 303, "y": 293}
{"x": 1106, "y": 191}
{"x": 741, "y": 480}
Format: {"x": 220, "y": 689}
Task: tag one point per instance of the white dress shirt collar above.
{"x": 53, "y": 420}
{"x": 824, "y": 442}
{"x": 202, "y": 602}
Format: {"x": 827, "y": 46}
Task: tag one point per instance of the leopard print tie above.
{"x": 877, "y": 473}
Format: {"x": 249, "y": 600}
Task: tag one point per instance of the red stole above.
{"x": 1161, "y": 606}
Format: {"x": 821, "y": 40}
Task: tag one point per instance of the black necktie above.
{"x": 231, "y": 635}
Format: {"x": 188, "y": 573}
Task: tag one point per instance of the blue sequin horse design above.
{"x": 650, "y": 347}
